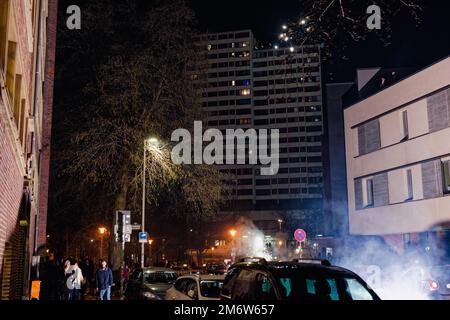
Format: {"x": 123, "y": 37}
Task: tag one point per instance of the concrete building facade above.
{"x": 398, "y": 156}
{"x": 250, "y": 87}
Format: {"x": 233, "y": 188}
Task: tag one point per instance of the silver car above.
{"x": 150, "y": 283}
{"x": 196, "y": 287}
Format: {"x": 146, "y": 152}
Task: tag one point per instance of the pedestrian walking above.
{"x": 104, "y": 281}
{"x": 68, "y": 272}
{"x": 124, "y": 274}
{"x": 77, "y": 281}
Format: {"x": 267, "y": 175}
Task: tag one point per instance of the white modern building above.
{"x": 250, "y": 87}
{"x": 398, "y": 155}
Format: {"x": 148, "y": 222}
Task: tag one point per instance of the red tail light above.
{"x": 433, "y": 285}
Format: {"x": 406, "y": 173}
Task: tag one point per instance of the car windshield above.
{"x": 159, "y": 277}
{"x": 210, "y": 288}
{"x": 322, "y": 287}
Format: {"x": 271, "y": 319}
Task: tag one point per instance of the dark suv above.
{"x": 257, "y": 279}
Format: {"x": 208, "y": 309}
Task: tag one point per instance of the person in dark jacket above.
{"x": 104, "y": 281}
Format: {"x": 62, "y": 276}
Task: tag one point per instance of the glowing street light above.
{"x": 280, "y": 222}
{"x": 153, "y": 143}
{"x": 284, "y": 27}
{"x": 233, "y": 232}
{"x": 150, "y": 242}
{"x": 102, "y": 232}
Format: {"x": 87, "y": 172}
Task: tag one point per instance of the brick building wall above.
{"x": 11, "y": 188}
{"x": 27, "y": 36}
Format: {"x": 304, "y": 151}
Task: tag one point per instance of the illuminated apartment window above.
{"x": 244, "y": 121}
{"x": 244, "y": 54}
{"x": 209, "y": 47}
{"x": 245, "y": 92}
{"x": 3, "y": 27}
{"x": 233, "y": 83}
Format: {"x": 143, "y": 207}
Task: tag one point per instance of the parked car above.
{"x": 257, "y": 279}
{"x": 215, "y": 268}
{"x": 196, "y": 287}
{"x": 150, "y": 283}
{"x": 440, "y": 282}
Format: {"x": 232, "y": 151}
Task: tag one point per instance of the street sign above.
{"x": 300, "y": 235}
{"x": 143, "y": 237}
{"x": 135, "y": 227}
{"x": 127, "y": 229}
{"x": 127, "y": 237}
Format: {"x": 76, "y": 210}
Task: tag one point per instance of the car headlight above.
{"x": 149, "y": 295}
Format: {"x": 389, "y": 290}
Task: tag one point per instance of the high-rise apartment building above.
{"x": 276, "y": 88}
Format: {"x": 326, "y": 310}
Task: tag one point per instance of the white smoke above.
{"x": 249, "y": 240}
{"x": 393, "y": 276}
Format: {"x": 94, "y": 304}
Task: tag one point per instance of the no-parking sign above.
{"x": 300, "y": 235}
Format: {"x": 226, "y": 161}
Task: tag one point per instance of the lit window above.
{"x": 245, "y": 92}
{"x": 233, "y": 83}
{"x": 244, "y": 54}
{"x": 209, "y": 47}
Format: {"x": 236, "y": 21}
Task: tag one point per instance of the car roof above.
{"x": 156, "y": 269}
{"x": 280, "y": 266}
{"x": 201, "y": 277}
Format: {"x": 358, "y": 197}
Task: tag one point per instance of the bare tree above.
{"x": 140, "y": 87}
{"x": 335, "y": 23}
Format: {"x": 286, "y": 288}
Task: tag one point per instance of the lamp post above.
{"x": 102, "y": 231}
{"x": 154, "y": 142}
{"x": 280, "y": 221}
{"x": 150, "y": 242}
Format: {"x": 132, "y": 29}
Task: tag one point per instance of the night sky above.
{"x": 411, "y": 46}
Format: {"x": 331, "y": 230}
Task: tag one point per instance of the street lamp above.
{"x": 102, "y": 231}
{"x": 154, "y": 142}
{"x": 280, "y": 221}
{"x": 150, "y": 242}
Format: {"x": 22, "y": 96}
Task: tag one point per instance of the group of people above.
{"x": 73, "y": 279}
{"x": 77, "y": 285}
